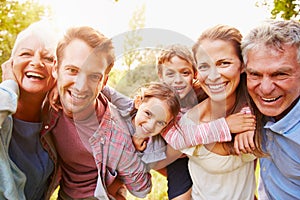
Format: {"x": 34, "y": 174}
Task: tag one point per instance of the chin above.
{"x": 271, "y": 112}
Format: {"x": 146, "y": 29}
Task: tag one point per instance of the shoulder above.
{"x": 118, "y": 124}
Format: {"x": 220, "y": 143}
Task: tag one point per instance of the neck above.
{"x": 84, "y": 114}
{"x": 220, "y": 108}
{"x": 29, "y": 107}
{"x": 284, "y": 113}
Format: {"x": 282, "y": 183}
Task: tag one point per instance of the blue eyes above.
{"x": 221, "y": 64}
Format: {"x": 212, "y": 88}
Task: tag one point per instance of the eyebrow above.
{"x": 70, "y": 65}
{"x": 282, "y": 69}
{"x": 25, "y": 49}
{"x": 250, "y": 70}
{"x": 201, "y": 63}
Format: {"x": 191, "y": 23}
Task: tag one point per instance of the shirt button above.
{"x": 264, "y": 169}
{"x": 102, "y": 140}
{"x": 46, "y": 127}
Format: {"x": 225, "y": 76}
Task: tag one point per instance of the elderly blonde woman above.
{"x": 25, "y": 166}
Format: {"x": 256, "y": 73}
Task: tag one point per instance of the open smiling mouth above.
{"x": 269, "y": 100}
{"x": 77, "y": 96}
{"x": 179, "y": 88}
{"x": 216, "y": 88}
{"x": 34, "y": 75}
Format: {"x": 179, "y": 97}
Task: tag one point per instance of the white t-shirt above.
{"x": 220, "y": 177}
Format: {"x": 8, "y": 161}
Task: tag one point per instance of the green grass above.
{"x": 159, "y": 188}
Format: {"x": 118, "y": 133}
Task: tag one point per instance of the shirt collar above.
{"x": 287, "y": 122}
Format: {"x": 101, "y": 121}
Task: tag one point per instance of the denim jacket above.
{"x": 12, "y": 178}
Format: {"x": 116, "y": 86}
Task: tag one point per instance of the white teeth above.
{"x": 269, "y": 99}
{"x": 78, "y": 96}
{"x": 215, "y": 87}
{"x": 179, "y": 88}
{"x": 36, "y": 75}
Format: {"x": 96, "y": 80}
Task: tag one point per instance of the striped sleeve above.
{"x": 188, "y": 134}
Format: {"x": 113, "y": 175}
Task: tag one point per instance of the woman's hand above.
{"x": 7, "y": 70}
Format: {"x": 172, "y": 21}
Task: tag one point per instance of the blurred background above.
{"x": 122, "y": 21}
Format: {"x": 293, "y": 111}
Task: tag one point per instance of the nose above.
{"x": 81, "y": 82}
{"x": 178, "y": 78}
{"x": 37, "y": 60}
{"x": 213, "y": 74}
{"x": 266, "y": 86}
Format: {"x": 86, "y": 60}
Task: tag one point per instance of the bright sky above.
{"x": 182, "y": 20}
{"x": 187, "y": 17}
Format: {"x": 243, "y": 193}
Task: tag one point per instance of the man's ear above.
{"x": 105, "y": 79}
{"x": 137, "y": 101}
{"x": 54, "y": 71}
{"x": 195, "y": 74}
{"x": 160, "y": 77}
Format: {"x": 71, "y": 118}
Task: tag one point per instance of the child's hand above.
{"x": 117, "y": 189}
{"x": 53, "y": 97}
{"x": 243, "y": 142}
{"x": 241, "y": 122}
{"x": 140, "y": 144}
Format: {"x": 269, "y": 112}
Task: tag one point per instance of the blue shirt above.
{"x": 12, "y": 181}
{"x": 280, "y": 172}
{"x": 28, "y": 154}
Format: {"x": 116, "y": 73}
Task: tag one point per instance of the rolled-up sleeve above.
{"x": 9, "y": 92}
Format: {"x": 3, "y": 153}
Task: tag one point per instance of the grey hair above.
{"x": 272, "y": 34}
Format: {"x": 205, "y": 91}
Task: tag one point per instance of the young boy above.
{"x": 176, "y": 67}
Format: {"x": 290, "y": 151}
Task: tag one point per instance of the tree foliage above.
{"x": 135, "y": 78}
{"x": 132, "y": 38}
{"x": 14, "y": 17}
{"x": 285, "y": 9}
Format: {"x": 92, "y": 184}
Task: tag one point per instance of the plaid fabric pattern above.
{"x": 115, "y": 154}
{"x": 113, "y": 151}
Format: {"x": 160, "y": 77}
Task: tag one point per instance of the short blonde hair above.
{"x": 43, "y": 29}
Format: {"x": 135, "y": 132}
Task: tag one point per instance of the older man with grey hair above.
{"x": 271, "y": 53}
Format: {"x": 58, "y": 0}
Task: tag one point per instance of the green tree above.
{"x": 285, "y": 9}
{"x": 14, "y": 17}
{"x": 132, "y": 38}
{"x": 135, "y": 78}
